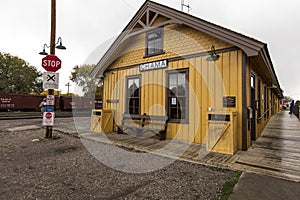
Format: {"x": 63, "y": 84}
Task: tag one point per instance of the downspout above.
{"x": 244, "y": 102}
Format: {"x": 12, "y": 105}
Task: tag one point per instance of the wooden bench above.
{"x": 143, "y": 123}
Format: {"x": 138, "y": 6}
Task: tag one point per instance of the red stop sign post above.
{"x": 51, "y": 63}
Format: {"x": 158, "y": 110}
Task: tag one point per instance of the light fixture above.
{"x": 101, "y": 76}
{"x": 272, "y": 86}
{"x": 44, "y": 52}
{"x": 60, "y": 46}
{"x": 212, "y": 55}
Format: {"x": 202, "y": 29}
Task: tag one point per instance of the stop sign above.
{"x": 51, "y": 63}
{"x": 48, "y": 115}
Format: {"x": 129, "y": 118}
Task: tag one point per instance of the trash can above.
{"x": 221, "y": 132}
{"x": 102, "y": 120}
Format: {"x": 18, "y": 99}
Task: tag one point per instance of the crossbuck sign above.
{"x": 50, "y": 80}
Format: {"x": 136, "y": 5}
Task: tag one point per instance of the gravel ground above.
{"x": 64, "y": 169}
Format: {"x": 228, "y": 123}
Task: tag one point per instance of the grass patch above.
{"x": 228, "y": 186}
{"x": 55, "y": 137}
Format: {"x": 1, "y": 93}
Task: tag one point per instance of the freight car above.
{"x": 79, "y": 103}
{"x": 26, "y": 102}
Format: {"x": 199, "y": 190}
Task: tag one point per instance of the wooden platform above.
{"x": 276, "y": 153}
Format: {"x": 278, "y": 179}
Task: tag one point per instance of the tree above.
{"x": 17, "y": 76}
{"x": 287, "y": 99}
{"x": 90, "y": 87}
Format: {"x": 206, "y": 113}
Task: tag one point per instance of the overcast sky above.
{"x": 84, "y": 25}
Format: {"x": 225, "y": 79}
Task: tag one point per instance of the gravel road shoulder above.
{"x": 64, "y": 169}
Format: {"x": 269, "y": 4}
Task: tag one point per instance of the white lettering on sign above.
{"x": 153, "y": 65}
{"x": 51, "y": 63}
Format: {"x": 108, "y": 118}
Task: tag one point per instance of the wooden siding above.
{"x": 209, "y": 82}
{"x": 179, "y": 40}
{"x": 206, "y": 83}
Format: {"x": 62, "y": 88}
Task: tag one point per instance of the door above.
{"x": 253, "y": 106}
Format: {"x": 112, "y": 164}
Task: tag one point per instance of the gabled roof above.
{"x": 149, "y": 11}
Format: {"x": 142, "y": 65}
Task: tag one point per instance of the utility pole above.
{"x": 184, "y": 5}
{"x": 68, "y": 85}
{"x": 52, "y": 52}
{"x": 51, "y": 64}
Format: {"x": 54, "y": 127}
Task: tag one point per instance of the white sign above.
{"x": 153, "y": 65}
{"x": 48, "y": 118}
{"x": 50, "y": 80}
{"x": 50, "y": 100}
{"x": 174, "y": 102}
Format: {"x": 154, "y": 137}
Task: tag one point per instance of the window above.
{"x": 266, "y": 102}
{"x": 133, "y": 95}
{"x": 177, "y": 95}
{"x": 259, "y": 98}
{"x": 252, "y": 81}
{"x": 154, "y": 42}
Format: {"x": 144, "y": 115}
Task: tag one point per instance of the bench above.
{"x": 144, "y": 123}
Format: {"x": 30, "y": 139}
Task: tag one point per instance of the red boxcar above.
{"x": 26, "y": 102}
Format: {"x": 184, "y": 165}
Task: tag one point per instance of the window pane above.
{"x": 173, "y": 113}
{"x": 177, "y": 95}
{"x": 252, "y": 81}
{"x": 133, "y": 95}
{"x": 158, "y": 45}
{"x": 173, "y": 91}
{"x": 154, "y": 36}
{"x": 181, "y": 90}
{"x": 173, "y": 79}
{"x": 130, "y": 83}
{"x": 154, "y": 42}
{"x": 136, "y": 103}
{"x": 181, "y": 78}
{"x": 151, "y": 47}
{"x": 136, "y": 93}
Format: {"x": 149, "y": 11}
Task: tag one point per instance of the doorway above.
{"x": 253, "y": 106}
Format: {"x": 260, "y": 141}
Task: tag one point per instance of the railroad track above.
{"x": 36, "y": 115}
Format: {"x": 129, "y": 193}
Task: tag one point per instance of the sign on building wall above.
{"x": 229, "y": 102}
{"x": 153, "y": 65}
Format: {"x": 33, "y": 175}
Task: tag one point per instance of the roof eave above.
{"x": 250, "y": 46}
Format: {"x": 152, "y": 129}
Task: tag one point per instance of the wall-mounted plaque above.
{"x": 229, "y": 102}
{"x": 112, "y": 100}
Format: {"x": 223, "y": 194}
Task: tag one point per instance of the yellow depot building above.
{"x": 215, "y": 86}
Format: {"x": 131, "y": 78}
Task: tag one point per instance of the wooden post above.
{"x": 53, "y": 27}
{"x": 52, "y": 52}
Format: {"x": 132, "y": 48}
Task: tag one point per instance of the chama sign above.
{"x": 153, "y": 65}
